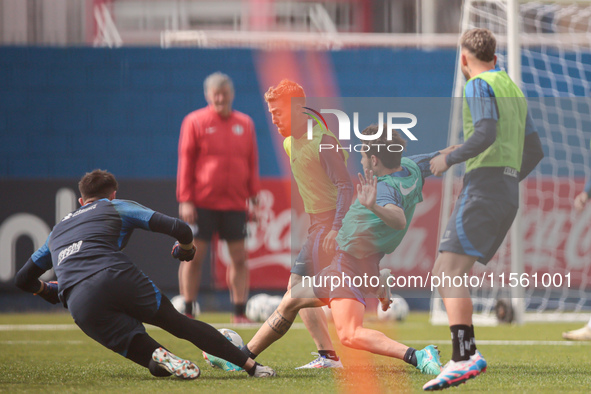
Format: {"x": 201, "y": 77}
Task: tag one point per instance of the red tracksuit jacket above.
{"x": 218, "y": 160}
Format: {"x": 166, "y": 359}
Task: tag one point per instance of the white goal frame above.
{"x": 514, "y": 40}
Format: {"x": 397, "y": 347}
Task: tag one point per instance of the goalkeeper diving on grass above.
{"x": 373, "y": 227}
{"x": 107, "y": 295}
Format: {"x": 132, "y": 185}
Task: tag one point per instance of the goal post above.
{"x": 546, "y": 48}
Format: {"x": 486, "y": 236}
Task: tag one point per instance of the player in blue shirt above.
{"x": 107, "y": 295}
{"x": 501, "y": 148}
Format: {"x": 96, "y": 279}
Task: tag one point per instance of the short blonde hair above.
{"x": 480, "y": 43}
{"x": 286, "y": 89}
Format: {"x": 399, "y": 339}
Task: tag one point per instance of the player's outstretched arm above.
{"x": 424, "y": 160}
{"x": 27, "y": 279}
{"x": 367, "y": 190}
{"x": 333, "y": 164}
{"x": 582, "y": 197}
{"x": 581, "y": 200}
{"x": 174, "y": 227}
{"x": 183, "y": 249}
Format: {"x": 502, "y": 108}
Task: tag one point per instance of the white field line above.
{"x": 38, "y": 327}
{"x": 254, "y": 326}
{"x": 505, "y": 342}
{"x": 71, "y": 327}
{"x": 41, "y": 342}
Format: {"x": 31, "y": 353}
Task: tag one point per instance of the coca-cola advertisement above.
{"x": 556, "y": 239}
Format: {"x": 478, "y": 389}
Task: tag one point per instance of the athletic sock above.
{"x": 411, "y": 357}
{"x": 252, "y": 370}
{"x": 460, "y": 337}
{"x": 189, "y": 307}
{"x": 140, "y": 349}
{"x": 472, "y": 341}
{"x": 247, "y": 351}
{"x": 239, "y": 309}
{"x": 331, "y": 354}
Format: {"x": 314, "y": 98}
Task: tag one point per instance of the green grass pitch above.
{"x": 68, "y": 361}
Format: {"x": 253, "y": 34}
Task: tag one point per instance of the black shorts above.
{"x": 229, "y": 225}
{"x": 477, "y": 226}
{"x": 348, "y": 277}
{"x": 312, "y": 257}
{"x": 111, "y": 305}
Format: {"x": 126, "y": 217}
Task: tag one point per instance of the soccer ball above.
{"x": 179, "y": 304}
{"x": 254, "y": 306}
{"x": 233, "y": 337}
{"x": 398, "y": 309}
{"x": 261, "y": 306}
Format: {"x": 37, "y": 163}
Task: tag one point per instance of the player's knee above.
{"x": 349, "y": 340}
{"x": 239, "y": 260}
{"x": 289, "y": 304}
{"x": 194, "y": 264}
{"x": 347, "y": 337}
{"x": 294, "y": 280}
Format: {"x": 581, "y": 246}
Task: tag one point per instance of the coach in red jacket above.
{"x": 217, "y": 174}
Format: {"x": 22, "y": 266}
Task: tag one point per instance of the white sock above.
{"x": 589, "y": 323}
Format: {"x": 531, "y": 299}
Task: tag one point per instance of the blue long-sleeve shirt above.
{"x": 333, "y": 164}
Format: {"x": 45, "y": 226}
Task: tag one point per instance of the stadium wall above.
{"x": 64, "y": 111}
{"x": 67, "y": 111}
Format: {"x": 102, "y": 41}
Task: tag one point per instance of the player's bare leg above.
{"x": 348, "y": 319}
{"x": 238, "y": 274}
{"x": 237, "y": 278}
{"x": 467, "y": 362}
{"x": 190, "y": 272}
{"x": 457, "y": 300}
{"x": 281, "y": 320}
{"x": 315, "y": 321}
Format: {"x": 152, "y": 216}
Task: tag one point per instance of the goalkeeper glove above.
{"x": 49, "y": 292}
{"x": 182, "y": 254}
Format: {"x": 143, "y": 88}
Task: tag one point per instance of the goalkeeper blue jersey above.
{"x": 90, "y": 239}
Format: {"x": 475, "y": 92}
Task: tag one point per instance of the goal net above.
{"x": 549, "y": 252}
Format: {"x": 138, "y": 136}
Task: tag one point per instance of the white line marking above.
{"x": 505, "y": 343}
{"x": 38, "y": 327}
{"x": 254, "y": 326}
{"x": 41, "y": 342}
{"x": 71, "y": 327}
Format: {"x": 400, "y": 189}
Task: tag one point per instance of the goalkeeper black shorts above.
{"x": 110, "y": 305}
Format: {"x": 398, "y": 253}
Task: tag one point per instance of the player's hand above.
{"x": 187, "y": 212}
{"x": 49, "y": 292}
{"x": 330, "y": 244}
{"x": 449, "y": 149}
{"x": 438, "y": 165}
{"x": 179, "y": 252}
{"x": 367, "y": 189}
{"x": 580, "y": 201}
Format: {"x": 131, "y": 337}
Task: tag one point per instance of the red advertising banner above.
{"x": 269, "y": 241}
{"x": 556, "y": 238}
